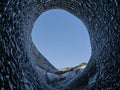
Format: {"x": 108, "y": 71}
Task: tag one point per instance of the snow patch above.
{"x": 83, "y": 67}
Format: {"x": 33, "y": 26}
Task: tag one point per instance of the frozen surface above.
{"x": 18, "y": 72}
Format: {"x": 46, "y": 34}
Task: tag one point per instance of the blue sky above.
{"x": 62, "y": 38}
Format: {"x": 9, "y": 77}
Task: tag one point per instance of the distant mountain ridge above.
{"x": 67, "y": 69}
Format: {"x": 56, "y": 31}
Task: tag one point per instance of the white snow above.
{"x": 83, "y": 67}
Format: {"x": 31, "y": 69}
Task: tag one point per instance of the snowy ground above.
{"x": 59, "y": 79}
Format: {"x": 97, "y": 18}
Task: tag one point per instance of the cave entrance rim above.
{"x": 74, "y": 9}
{"x": 78, "y": 53}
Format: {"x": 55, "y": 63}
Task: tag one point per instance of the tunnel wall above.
{"x": 102, "y": 19}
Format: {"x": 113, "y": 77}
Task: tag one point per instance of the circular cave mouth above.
{"x": 61, "y": 39}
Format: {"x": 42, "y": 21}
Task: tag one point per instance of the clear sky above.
{"x": 62, "y": 38}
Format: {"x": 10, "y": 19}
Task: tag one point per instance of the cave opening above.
{"x": 62, "y": 38}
